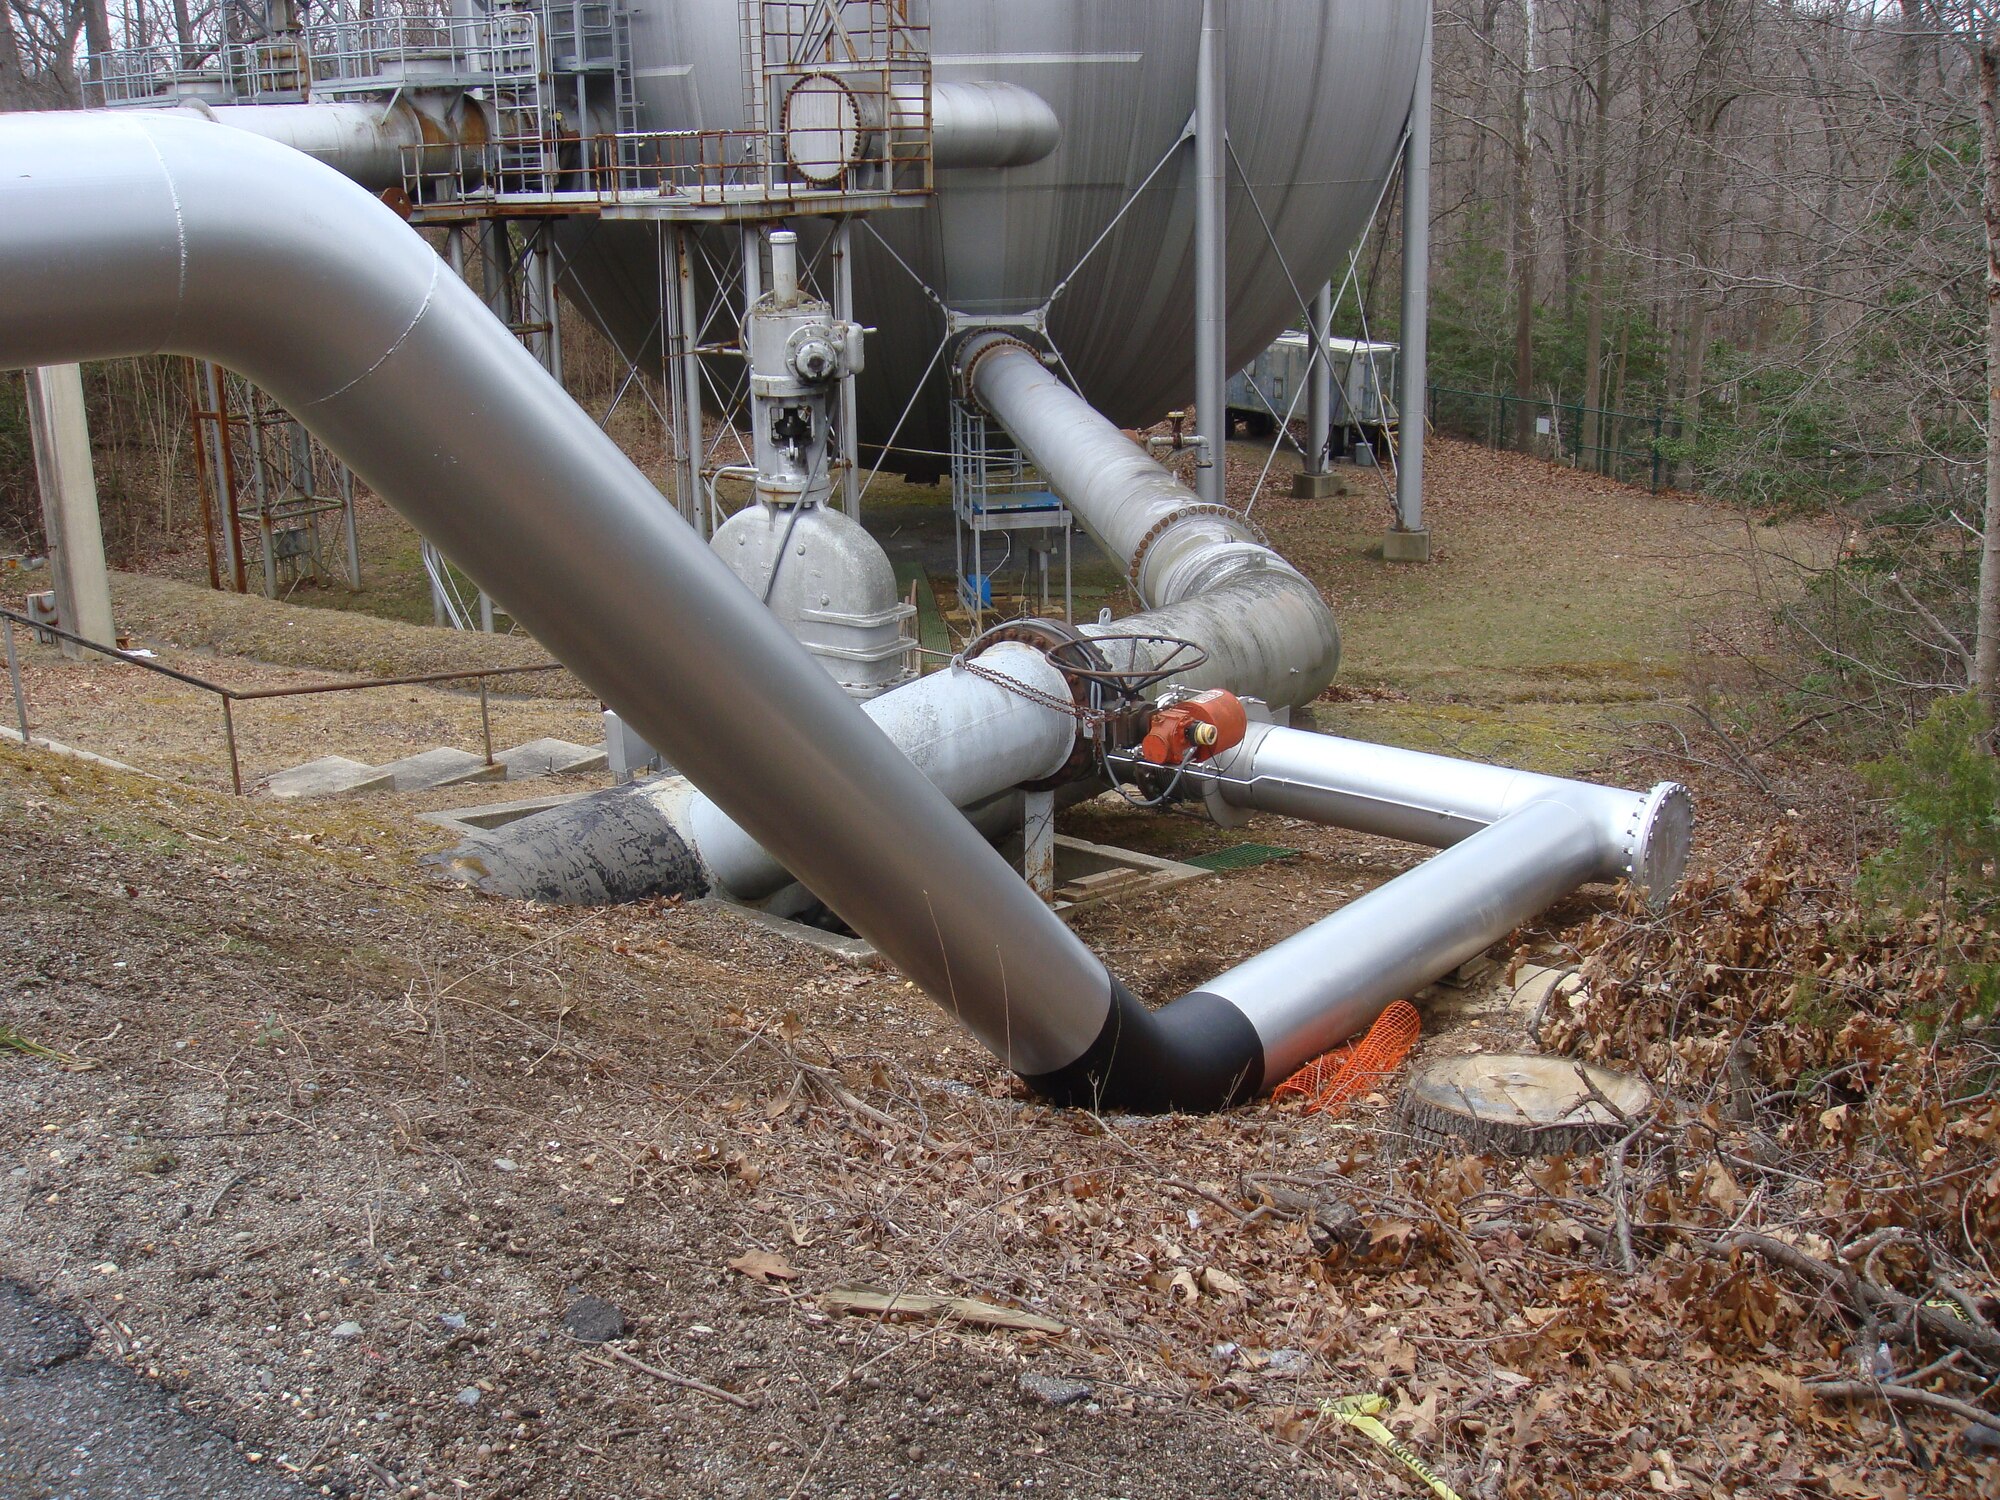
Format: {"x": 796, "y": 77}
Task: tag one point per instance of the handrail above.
{"x": 230, "y": 695}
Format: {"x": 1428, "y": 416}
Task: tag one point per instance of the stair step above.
{"x": 549, "y": 756}
{"x": 329, "y": 776}
{"x": 440, "y": 767}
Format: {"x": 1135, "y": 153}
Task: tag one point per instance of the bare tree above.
{"x": 1986, "y": 629}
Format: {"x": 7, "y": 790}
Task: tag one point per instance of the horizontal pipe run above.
{"x": 978, "y": 123}
{"x": 1436, "y": 800}
{"x": 142, "y": 233}
{"x": 364, "y": 142}
{"x": 971, "y": 737}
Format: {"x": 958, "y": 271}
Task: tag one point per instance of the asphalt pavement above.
{"x": 75, "y": 1427}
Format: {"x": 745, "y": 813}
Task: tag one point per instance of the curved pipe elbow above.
{"x": 1197, "y": 1054}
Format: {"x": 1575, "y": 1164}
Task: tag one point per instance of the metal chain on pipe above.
{"x": 1089, "y": 680}
{"x": 1083, "y": 713}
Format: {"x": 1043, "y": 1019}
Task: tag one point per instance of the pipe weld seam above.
{"x": 180, "y": 241}
{"x": 430, "y": 292}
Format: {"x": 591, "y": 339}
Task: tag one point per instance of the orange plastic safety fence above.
{"x": 1328, "y": 1084}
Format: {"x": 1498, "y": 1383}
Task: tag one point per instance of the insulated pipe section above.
{"x": 1643, "y": 837}
{"x": 122, "y": 235}
{"x": 979, "y": 123}
{"x": 1514, "y": 844}
{"x": 1203, "y": 570}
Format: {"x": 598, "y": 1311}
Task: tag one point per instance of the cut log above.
{"x": 1518, "y": 1105}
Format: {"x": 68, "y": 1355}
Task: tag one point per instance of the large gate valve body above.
{"x": 1194, "y": 728}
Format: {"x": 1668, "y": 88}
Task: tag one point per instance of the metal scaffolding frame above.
{"x": 996, "y": 489}
{"x": 268, "y": 488}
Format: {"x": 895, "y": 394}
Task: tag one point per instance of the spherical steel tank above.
{"x": 1317, "y": 95}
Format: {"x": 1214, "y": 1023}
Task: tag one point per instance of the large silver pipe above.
{"x": 1204, "y": 572}
{"x": 1211, "y": 146}
{"x": 1436, "y": 800}
{"x": 1323, "y": 985}
{"x": 364, "y": 142}
{"x": 981, "y": 123}
{"x": 1515, "y": 842}
{"x": 971, "y": 737}
{"x": 1413, "y": 399}
{"x": 122, "y": 235}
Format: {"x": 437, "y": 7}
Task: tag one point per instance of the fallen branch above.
{"x": 868, "y": 1300}
{"x": 1946, "y": 1328}
{"x": 1867, "y": 1390}
{"x": 671, "y": 1377}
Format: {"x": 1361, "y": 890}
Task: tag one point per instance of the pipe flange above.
{"x": 1136, "y": 564}
{"x": 983, "y": 342}
{"x": 1053, "y": 639}
{"x": 1658, "y": 840}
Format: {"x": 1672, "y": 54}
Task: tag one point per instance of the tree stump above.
{"x": 1518, "y": 1105}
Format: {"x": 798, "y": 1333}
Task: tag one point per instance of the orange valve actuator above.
{"x": 1207, "y": 724}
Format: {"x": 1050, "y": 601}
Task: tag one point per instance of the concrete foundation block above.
{"x": 441, "y": 767}
{"x": 547, "y": 757}
{"x": 1318, "y": 486}
{"x": 1406, "y": 546}
{"x": 329, "y": 776}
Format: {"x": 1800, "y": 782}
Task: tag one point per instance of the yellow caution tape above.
{"x": 1360, "y": 1412}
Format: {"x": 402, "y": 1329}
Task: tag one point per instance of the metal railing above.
{"x": 230, "y": 696}
{"x": 270, "y": 71}
{"x": 701, "y": 167}
{"x": 424, "y": 51}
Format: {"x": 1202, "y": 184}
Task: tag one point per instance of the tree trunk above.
{"x": 14, "y": 90}
{"x": 1986, "y": 638}
{"x": 1591, "y": 439}
{"x": 1524, "y": 241}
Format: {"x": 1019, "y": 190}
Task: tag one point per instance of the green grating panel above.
{"x": 1240, "y": 857}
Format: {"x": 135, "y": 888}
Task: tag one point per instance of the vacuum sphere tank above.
{"x": 1317, "y": 96}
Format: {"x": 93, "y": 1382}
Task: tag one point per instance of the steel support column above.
{"x": 683, "y": 262}
{"x": 1411, "y": 403}
{"x": 1319, "y": 389}
{"x": 60, "y": 433}
{"x": 849, "y": 453}
{"x": 1210, "y": 255}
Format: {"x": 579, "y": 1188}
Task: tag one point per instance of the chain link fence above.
{"x": 1623, "y": 445}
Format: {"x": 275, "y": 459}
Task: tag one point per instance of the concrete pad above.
{"x": 329, "y": 776}
{"x": 1318, "y": 486}
{"x": 489, "y": 815}
{"x": 549, "y": 756}
{"x": 1406, "y": 546}
{"x": 441, "y": 767}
